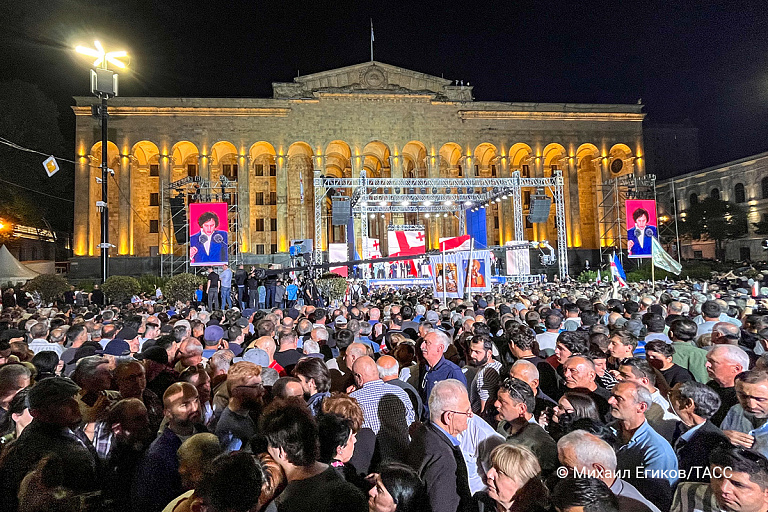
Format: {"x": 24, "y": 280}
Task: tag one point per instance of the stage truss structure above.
{"x": 613, "y": 194}
{"x": 439, "y": 195}
{"x": 174, "y": 258}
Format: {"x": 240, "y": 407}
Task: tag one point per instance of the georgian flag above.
{"x": 404, "y": 243}
{"x": 617, "y": 271}
{"x": 374, "y": 247}
{"x": 460, "y": 243}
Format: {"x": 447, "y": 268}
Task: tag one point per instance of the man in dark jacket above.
{"x": 240, "y": 278}
{"x": 52, "y": 432}
{"x": 157, "y": 480}
{"x": 435, "y": 451}
{"x": 696, "y": 436}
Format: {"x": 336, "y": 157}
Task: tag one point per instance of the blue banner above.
{"x": 476, "y": 227}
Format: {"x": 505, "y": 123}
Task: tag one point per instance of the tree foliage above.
{"x": 332, "y": 286}
{"x": 714, "y": 219}
{"x": 120, "y": 289}
{"x": 49, "y": 286}
{"x": 181, "y": 287}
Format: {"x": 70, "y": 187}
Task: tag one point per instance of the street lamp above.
{"x": 104, "y": 86}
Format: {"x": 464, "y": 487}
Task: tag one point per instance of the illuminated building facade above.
{"x": 388, "y": 121}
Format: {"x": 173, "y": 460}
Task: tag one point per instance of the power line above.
{"x": 37, "y": 191}
{"x": 28, "y": 150}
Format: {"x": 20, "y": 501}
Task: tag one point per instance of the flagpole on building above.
{"x": 371, "y": 39}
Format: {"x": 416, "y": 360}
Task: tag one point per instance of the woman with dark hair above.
{"x": 16, "y": 419}
{"x": 337, "y": 445}
{"x": 397, "y": 488}
{"x": 659, "y": 354}
{"x": 47, "y": 365}
{"x": 572, "y": 406}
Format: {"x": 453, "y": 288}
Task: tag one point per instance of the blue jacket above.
{"x": 637, "y": 249}
{"x": 218, "y": 248}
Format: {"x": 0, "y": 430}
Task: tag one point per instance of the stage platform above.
{"x": 427, "y": 281}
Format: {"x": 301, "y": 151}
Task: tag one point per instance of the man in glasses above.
{"x": 435, "y": 452}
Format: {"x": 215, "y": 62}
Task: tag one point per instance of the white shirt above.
{"x": 207, "y": 245}
{"x": 476, "y": 444}
{"x": 547, "y": 340}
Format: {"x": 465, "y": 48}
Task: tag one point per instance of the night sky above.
{"x": 705, "y": 61}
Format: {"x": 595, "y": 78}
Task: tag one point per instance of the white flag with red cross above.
{"x": 374, "y": 247}
{"x": 404, "y": 243}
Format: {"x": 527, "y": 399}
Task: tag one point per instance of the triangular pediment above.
{"x": 367, "y": 77}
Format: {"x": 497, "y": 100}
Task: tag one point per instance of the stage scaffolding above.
{"x": 174, "y": 257}
{"x": 439, "y": 195}
{"x": 612, "y": 195}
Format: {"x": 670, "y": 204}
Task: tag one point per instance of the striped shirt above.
{"x": 694, "y": 497}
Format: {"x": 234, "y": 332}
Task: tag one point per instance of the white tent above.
{"x": 11, "y": 270}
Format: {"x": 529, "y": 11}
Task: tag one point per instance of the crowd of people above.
{"x": 567, "y": 397}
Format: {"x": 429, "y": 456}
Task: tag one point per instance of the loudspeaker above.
{"x": 540, "y": 206}
{"x": 179, "y": 220}
{"x": 341, "y": 210}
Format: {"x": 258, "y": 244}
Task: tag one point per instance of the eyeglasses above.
{"x": 467, "y": 414}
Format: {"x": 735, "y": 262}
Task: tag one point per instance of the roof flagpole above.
{"x": 371, "y": 39}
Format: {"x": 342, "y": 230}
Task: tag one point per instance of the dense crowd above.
{"x": 555, "y": 396}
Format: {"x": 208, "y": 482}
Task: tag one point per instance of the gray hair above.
{"x": 354, "y": 326}
{"x": 705, "y": 400}
{"x": 588, "y": 449}
{"x": 641, "y": 395}
{"x": 420, "y": 309}
{"x": 388, "y": 372}
{"x": 445, "y": 395}
{"x": 735, "y": 355}
{"x": 442, "y": 338}
{"x": 311, "y": 347}
{"x": 321, "y": 333}
{"x": 221, "y": 360}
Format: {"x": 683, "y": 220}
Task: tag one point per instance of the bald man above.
{"x": 388, "y": 372}
{"x": 268, "y": 345}
{"x": 387, "y": 409}
{"x": 527, "y": 372}
{"x": 190, "y": 354}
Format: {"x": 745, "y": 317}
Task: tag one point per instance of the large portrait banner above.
{"x": 208, "y": 234}
{"x": 641, "y": 227}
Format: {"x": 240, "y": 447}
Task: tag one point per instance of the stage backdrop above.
{"x": 641, "y": 227}
{"x": 208, "y": 234}
{"x": 479, "y": 270}
{"x": 405, "y": 243}
{"x": 454, "y": 265}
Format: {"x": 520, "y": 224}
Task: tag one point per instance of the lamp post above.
{"x": 104, "y": 86}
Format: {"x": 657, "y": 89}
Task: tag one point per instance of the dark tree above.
{"x": 714, "y": 219}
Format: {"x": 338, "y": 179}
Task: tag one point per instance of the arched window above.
{"x": 738, "y": 193}
{"x": 693, "y": 199}
{"x": 764, "y": 187}
{"x": 715, "y": 193}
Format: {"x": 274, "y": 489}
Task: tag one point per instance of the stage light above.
{"x": 498, "y": 200}
{"x": 383, "y": 203}
{"x": 504, "y": 196}
{"x": 373, "y": 215}
{"x": 445, "y": 215}
{"x": 467, "y": 203}
{"x": 405, "y": 203}
{"x": 427, "y": 203}
{"x": 426, "y": 215}
{"x": 364, "y": 203}
{"x": 482, "y": 206}
{"x": 448, "y": 203}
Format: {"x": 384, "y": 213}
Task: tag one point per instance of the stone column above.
{"x": 573, "y": 212}
{"x": 433, "y": 171}
{"x": 539, "y": 228}
{"x": 244, "y": 202}
{"x": 164, "y": 164}
{"x": 125, "y": 213}
{"x": 204, "y": 166}
{"x": 84, "y": 206}
{"x": 281, "y": 162}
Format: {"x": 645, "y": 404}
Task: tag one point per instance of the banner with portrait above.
{"x": 477, "y": 270}
{"x": 208, "y": 234}
{"x": 518, "y": 261}
{"x": 446, "y": 275}
{"x": 641, "y": 227}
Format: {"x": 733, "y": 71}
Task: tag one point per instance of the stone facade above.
{"x": 386, "y": 120}
{"x": 743, "y": 181}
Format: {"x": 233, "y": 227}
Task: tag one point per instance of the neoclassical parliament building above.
{"x": 386, "y": 120}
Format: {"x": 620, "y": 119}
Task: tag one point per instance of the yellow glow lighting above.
{"x": 103, "y": 58}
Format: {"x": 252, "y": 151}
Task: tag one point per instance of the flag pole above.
{"x": 442, "y": 252}
{"x": 468, "y": 280}
{"x": 653, "y": 276}
{"x": 371, "y": 39}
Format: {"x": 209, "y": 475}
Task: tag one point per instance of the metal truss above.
{"x": 612, "y": 195}
{"x": 406, "y": 227}
{"x": 175, "y": 259}
{"x": 434, "y": 182}
{"x": 414, "y": 192}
